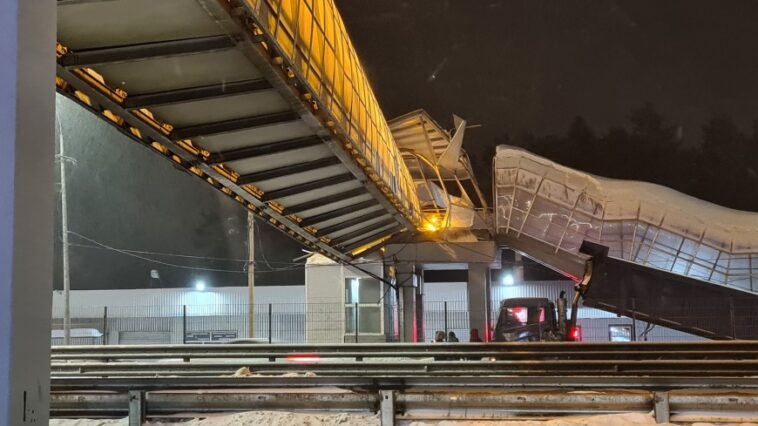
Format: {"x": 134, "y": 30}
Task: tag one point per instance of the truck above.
{"x": 535, "y": 319}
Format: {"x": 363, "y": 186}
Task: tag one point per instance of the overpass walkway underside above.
{"x": 264, "y": 100}
{"x": 671, "y": 259}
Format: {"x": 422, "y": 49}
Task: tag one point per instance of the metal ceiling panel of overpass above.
{"x": 266, "y": 101}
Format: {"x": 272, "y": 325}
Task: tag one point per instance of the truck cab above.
{"x": 535, "y": 319}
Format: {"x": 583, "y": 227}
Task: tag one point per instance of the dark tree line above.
{"x": 720, "y": 167}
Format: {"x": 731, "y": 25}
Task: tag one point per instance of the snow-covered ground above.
{"x": 276, "y": 418}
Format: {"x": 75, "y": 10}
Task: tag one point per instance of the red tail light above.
{"x": 304, "y": 358}
{"x": 575, "y": 334}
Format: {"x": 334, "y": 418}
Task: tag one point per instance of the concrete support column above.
{"x": 410, "y": 306}
{"x": 27, "y": 110}
{"x": 478, "y": 275}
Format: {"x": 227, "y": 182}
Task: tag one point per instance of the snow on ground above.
{"x": 277, "y": 418}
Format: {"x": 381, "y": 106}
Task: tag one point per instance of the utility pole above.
{"x": 250, "y": 272}
{"x": 64, "y": 242}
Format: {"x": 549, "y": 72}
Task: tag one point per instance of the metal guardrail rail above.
{"x": 733, "y": 349}
{"x": 692, "y": 381}
{"x": 677, "y": 405}
{"x": 706, "y": 359}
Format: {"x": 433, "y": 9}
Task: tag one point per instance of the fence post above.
{"x": 634, "y": 321}
{"x": 184, "y": 324}
{"x": 105, "y": 325}
{"x": 270, "y": 317}
{"x": 731, "y": 318}
{"x": 445, "y": 316}
{"x": 356, "y": 323}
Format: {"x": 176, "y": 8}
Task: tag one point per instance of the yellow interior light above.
{"x": 430, "y": 227}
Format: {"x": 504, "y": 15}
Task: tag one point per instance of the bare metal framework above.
{"x": 264, "y": 100}
{"x": 540, "y": 201}
{"x": 441, "y": 185}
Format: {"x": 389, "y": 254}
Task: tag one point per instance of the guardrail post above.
{"x": 661, "y": 401}
{"x": 137, "y": 408}
{"x": 445, "y": 316}
{"x": 386, "y": 407}
{"x": 105, "y": 325}
{"x": 270, "y": 318}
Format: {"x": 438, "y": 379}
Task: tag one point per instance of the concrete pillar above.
{"x": 478, "y": 275}
{"x": 27, "y": 102}
{"x": 410, "y": 306}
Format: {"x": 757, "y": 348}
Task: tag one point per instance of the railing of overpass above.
{"x": 314, "y": 40}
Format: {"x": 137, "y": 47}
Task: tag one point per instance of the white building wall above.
{"x": 89, "y": 303}
{"x": 325, "y": 299}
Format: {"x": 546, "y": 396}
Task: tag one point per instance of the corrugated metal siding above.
{"x": 547, "y": 289}
{"x": 596, "y": 330}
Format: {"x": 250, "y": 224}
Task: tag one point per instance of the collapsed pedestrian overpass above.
{"x": 654, "y": 253}
{"x": 268, "y": 103}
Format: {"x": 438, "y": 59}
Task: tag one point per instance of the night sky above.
{"x": 532, "y": 66}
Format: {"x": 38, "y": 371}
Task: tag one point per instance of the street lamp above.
{"x": 508, "y": 279}
{"x": 200, "y": 285}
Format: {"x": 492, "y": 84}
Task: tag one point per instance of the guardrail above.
{"x": 488, "y": 380}
{"x": 692, "y": 359}
{"x": 499, "y": 351}
{"x": 686, "y": 405}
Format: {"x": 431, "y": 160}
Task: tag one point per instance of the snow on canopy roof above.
{"x": 614, "y": 199}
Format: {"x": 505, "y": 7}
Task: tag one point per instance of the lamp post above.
{"x": 64, "y": 243}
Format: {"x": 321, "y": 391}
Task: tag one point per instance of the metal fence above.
{"x": 269, "y": 323}
{"x": 337, "y": 323}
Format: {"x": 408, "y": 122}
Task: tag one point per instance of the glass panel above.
{"x": 362, "y": 290}
{"x": 620, "y": 333}
{"x": 369, "y": 319}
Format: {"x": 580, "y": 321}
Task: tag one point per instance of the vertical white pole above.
{"x": 27, "y": 202}
{"x": 64, "y": 241}
{"x": 251, "y": 272}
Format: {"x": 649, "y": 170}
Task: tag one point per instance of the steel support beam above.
{"x": 141, "y": 52}
{"x": 265, "y": 149}
{"x": 27, "y": 111}
{"x": 333, "y": 214}
{"x": 362, "y": 231}
{"x": 308, "y": 186}
{"x": 375, "y": 236}
{"x": 352, "y": 222}
{"x": 191, "y": 94}
{"x": 325, "y": 201}
{"x": 234, "y": 125}
{"x": 287, "y": 170}
{"x": 368, "y": 232}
